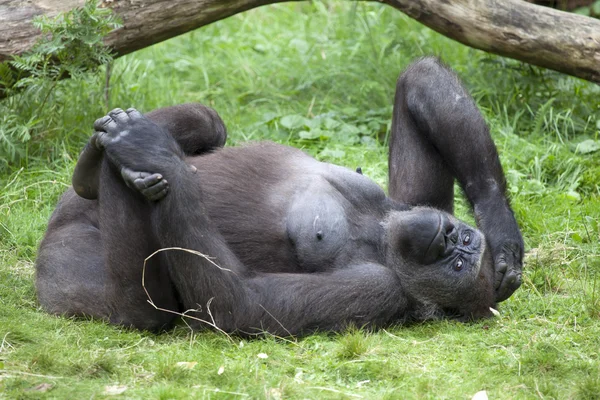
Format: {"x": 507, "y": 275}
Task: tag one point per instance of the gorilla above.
{"x": 277, "y": 241}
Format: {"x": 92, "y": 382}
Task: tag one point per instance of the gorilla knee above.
{"x": 434, "y": 95}
{"x": 425, "y": 71}
{"x": 198, "y": 129}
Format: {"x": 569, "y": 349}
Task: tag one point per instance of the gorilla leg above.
{"x": 196, "y": 128}
{"x": 70, "y": 274}
{"x": 438, "y": 134}
{"x": 418, "y": 174}
{"x": 127, "y": 240}
{"x": 90, "y": 263}
{"x": 238, "y": 300}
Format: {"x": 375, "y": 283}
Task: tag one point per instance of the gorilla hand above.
{"x": 496, "y": 220}
{"x": 508, "y": 261}
{"x": 152, "y": 186}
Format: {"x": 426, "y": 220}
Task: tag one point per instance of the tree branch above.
{"x": 564, "y": 42}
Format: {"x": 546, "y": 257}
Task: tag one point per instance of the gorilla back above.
{"x": 300, "y": 245}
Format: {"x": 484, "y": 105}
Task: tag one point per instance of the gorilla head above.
{"x": 428, "y": 249}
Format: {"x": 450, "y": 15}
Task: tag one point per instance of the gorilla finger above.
{"x": 160, "y": 195}
{"x": 501, "y": 268}
{"x": 130, "y": 176}
{"x": 119, "y": 116}
{"x": 510, "y": 283}
{"x": 134, "y": 114}
{"x": 96, "y": 140}
{"x": 101, "y": 140}
{"x": 156, "y": 188}
{"x": 147, "y": 181}
{"x": 100, "y": 123}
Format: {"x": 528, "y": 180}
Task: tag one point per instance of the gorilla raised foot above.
{"x": 197, "y": 128}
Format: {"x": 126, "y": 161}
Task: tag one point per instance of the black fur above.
{"x": 299, "y": 245}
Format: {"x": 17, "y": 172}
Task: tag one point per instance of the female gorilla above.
{"x": 300, "y": 245}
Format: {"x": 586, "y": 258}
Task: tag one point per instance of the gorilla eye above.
{"x": 459, "y": 264}
{"x": 467, "y": 239}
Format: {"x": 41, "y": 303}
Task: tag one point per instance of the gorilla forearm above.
{"x": 86, "y": 177}
{"x": 365, "y": 295}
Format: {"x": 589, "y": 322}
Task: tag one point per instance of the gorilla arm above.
{"x": 86, "y": 176}
{"x": 438, "y": 134}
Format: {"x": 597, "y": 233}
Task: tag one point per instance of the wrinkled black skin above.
{"x": 306, "y": 245}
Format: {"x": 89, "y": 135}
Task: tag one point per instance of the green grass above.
{"x": 320, "y": 76}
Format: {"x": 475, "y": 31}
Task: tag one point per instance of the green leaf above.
{"x": 332, "y": 153}
{"x": 331, "y": 123}
{"x": 268, "y": 117}
{"x": 576, "y": 237}
{"x": 349, "y": 130}
{"x": 311, "y": 134}
{"x": 588, "y": 146}
{"x": 533, "y": 186}
{"x": 314, "y": 123}
{"x": 293, "y": 121}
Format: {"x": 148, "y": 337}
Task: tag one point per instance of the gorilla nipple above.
{"x": 319, "y": 235}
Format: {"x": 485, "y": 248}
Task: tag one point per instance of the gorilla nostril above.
{"x": 451, "y": 233}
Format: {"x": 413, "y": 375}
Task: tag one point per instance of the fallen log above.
{"x": 542, "y": 36}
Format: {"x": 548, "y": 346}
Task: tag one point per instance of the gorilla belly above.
{"x": 282, "y": 211}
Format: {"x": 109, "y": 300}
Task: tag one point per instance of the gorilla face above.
{"x": 443, "y": 263}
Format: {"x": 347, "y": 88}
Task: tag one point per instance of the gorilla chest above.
{"x": 326, "y": 231}
{"x": 317, "y": 228}
{"x": 304, "y": 224}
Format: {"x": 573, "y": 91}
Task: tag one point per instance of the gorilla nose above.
{"x": 444, "y": 240}
{"x": 450, "y": 233}
{"x": 424, "y": 235}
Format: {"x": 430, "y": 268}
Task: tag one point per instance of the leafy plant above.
{"x": 71, "y": 45}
